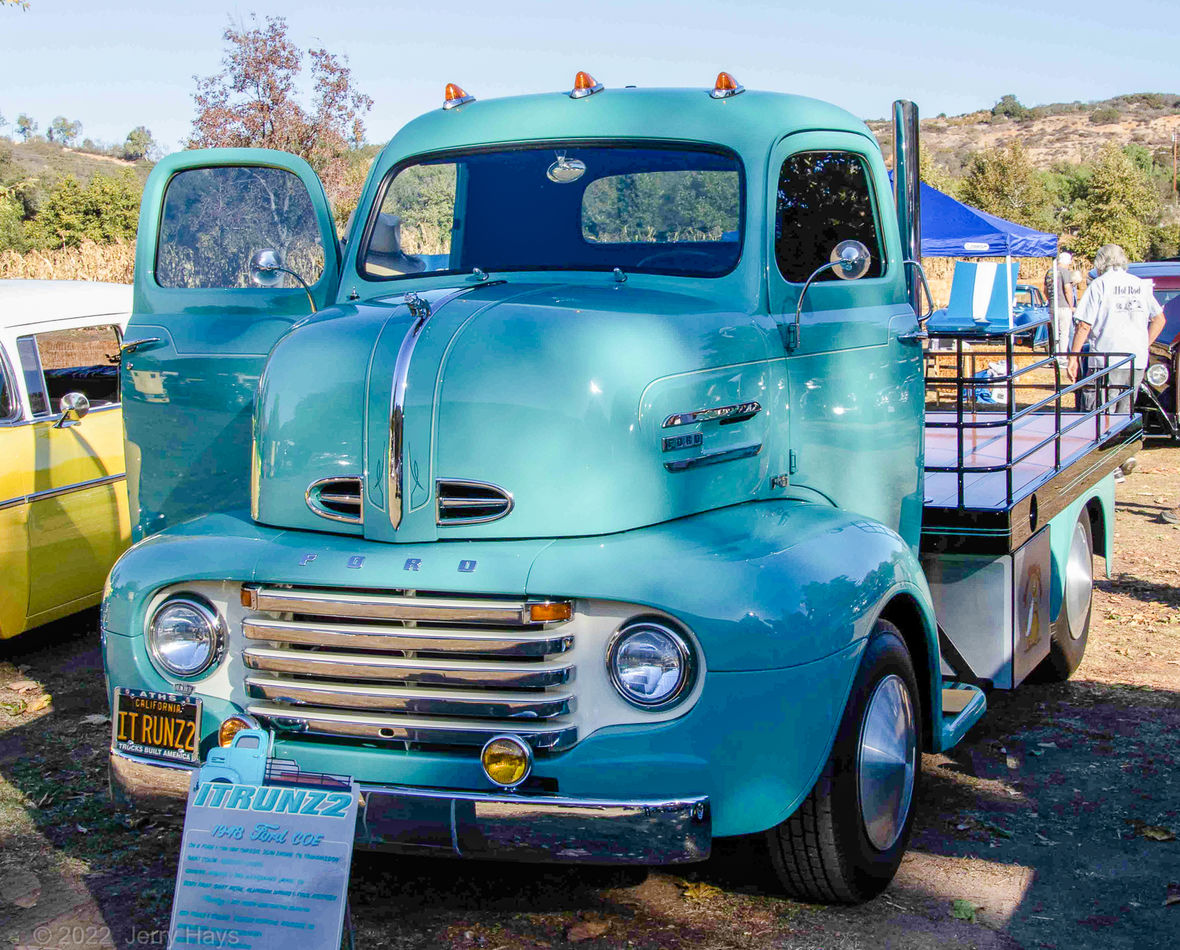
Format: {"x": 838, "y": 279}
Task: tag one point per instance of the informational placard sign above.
{"x": 264, "y": 867}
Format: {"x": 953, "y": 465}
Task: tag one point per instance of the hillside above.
{"x": 47, "y": 162}
{"x": 1071, "y": 132}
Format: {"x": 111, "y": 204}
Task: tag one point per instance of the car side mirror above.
{"x": 73, "y": 407}
{"x": 266, "y": 270}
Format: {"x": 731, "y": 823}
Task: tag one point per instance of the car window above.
{"x": 215, "y": 219}
{"x": 823, "y": 199}
{"x": 81, "y": 360}
{"x": 30, "y": 367}
{"x": 8, "y": 402}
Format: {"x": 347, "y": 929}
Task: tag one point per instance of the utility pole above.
{"x": 1173, "y": 166}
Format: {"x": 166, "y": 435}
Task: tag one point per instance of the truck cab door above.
{"x": 201, "y": 327}
{"x": 856, "y": 390}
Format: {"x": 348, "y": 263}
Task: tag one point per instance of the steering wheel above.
{"x": 686, "y": 252}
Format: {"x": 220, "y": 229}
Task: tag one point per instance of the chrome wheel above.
{"x": 887, "y": 760}
{"x": 1079, "y": 581}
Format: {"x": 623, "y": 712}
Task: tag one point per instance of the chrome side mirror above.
{"x": 850, "y": 260}
{"x": 73, "y": 407}
{"x": 266, "y": 270}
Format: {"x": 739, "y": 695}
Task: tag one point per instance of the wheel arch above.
{"x": 904, "y": 612}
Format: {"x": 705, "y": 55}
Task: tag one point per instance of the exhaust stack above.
{"x": 906, "y": 191}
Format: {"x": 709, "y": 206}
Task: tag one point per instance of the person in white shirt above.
{"x": 1117, "y": 314}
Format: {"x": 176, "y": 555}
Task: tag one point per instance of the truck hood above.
{"x": 529, "y": 409}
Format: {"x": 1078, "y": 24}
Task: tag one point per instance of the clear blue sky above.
{"x": 115, "y": 64}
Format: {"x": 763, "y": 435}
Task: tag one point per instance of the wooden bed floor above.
{"x": 987, "y": 447}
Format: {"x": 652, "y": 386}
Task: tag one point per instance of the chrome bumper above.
{"x": 442, "y": 823}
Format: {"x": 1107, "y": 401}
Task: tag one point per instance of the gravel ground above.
{"x": 1054, "y": 824}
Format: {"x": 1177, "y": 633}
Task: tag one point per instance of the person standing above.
{"x": 1118, "y": 313}
{"x": 1061, "y": 293}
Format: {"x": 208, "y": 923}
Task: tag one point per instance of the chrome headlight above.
{"x": 650, "y": 664}
{"x": 1157, "y": 375}
{"x": 185, "y": 635}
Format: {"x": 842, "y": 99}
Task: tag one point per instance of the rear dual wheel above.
{"x": 1071, "y": 629}
{"x": 845, "y": 842}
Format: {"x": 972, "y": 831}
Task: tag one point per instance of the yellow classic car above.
{"x": 63, "y": 497}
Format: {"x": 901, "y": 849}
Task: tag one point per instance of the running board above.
{"x": 963, "y": 706}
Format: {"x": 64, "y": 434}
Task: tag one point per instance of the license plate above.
{"x": 158, "y": 725}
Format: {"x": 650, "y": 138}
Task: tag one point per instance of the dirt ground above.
{"x": 1054, "y": 824}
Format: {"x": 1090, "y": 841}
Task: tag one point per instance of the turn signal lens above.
{"x": 230, "y": 728}
{"x": 726, "y": 86}
{"x": 507, "y": 761}
{"x": 585, "y": 85}
{"x": 455, "y": 96}
{"x": 551, "y": 612}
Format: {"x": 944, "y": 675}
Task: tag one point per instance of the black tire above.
{"x": 1070, "y": 631}
{"x": 823, "y": 852}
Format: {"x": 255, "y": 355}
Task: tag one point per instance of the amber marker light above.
{"x": 584, "y": 85}
{"x": 455, "y": 96}
{"x": 726, "y": 86}
{"x": 550, "y": 612}
{"x": 506, "y": 761}
{"x": 229, "y": 728}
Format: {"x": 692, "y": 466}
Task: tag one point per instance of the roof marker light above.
{"x": 584, "y": 85}
{"x": 455, "y": 96}
{"x": 726, "y": 86}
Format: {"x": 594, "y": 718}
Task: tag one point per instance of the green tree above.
{"x": 1003, "y": 182}
{"x": 1120, "y": 206}
{"x": 104, "y": 210}
{"x": 139, "y": 144}
{"x": 63, "y": 131}
{"x": 1010, "y": 108}
{"x": 935, "y": 175}
{"x": 12, "y": 225}
{"x": 25, "y": 126}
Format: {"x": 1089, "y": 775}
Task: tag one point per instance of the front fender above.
{"x": 764, "y": 585}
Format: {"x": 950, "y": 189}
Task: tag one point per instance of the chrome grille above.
{"x": 337, "y": 498}
{"x": 408, "y": 667}
{"x": 461, "y": 501}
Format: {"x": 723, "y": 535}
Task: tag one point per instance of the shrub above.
{"x": 1104, "y": 116}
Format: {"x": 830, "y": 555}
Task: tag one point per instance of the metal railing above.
{"x": 1095, "y": 383}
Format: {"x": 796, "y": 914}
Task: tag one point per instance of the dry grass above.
{"x": 89, "y": 261}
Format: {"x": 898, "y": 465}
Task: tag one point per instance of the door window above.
{"x": 214, "y": 219}
{"x": 8, "y": 403}
{"x": 823, "y": 198}
{"x": 79, "y": 360}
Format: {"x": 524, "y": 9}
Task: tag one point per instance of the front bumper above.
{"x": 434, "y": 822}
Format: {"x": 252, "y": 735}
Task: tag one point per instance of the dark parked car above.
{"x": 1159, "y": 400}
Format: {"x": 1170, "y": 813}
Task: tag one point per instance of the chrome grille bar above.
{"x": 330, "y": 722}
{"x": 439, "y": 672}
{"x": 426, "y": 702}
{"x": 331, "y": 636}
{"x": 378, "y": 606}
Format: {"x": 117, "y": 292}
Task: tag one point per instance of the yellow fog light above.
{"x": 231, "y": 727}
{"x": 506, "y": 761}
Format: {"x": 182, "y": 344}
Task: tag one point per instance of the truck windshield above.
{"x": 651, "y": 209}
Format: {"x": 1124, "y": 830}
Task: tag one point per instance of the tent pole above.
{"x": 1008, "y": 278}
{"x": 1053, "y": 304}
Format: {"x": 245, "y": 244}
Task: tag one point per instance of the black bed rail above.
{"x": 967, "y": 387}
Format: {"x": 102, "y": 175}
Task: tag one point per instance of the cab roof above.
{"x": 27, "y": 302}
{"x": 749, "y": 123}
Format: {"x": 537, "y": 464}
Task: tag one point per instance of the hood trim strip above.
{"x": 421, "y": 309}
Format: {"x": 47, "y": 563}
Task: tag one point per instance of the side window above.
{"x": 214, "y": 219}
{"x": 823, "y": 199}
{"x": 30, "y": 367}
{"x": 7, "y": 391}
{"x": 81, "y": 360}
{"x": 412, "y": 232}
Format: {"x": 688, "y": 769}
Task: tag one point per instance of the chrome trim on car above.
{"x": 496, "y": 498}
{"x": 421, "y": 312}
{"x": 457, "y": 823}
{"x": 735, "y": 413}
{"x": 434, "y": 730}
{"x": 379, "y": 606}
{"x": 421, "y": 671}
{"x": 423, "y": 702}
{"x": 713, "y": 458}
{"x": 69, "y": 489}
{"x": 514, "y": 643}
{"x": 146, "y": 343}
{"x": 316, "y": 498}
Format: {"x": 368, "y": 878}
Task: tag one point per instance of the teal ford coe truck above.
{"x": 583, "y": 503}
